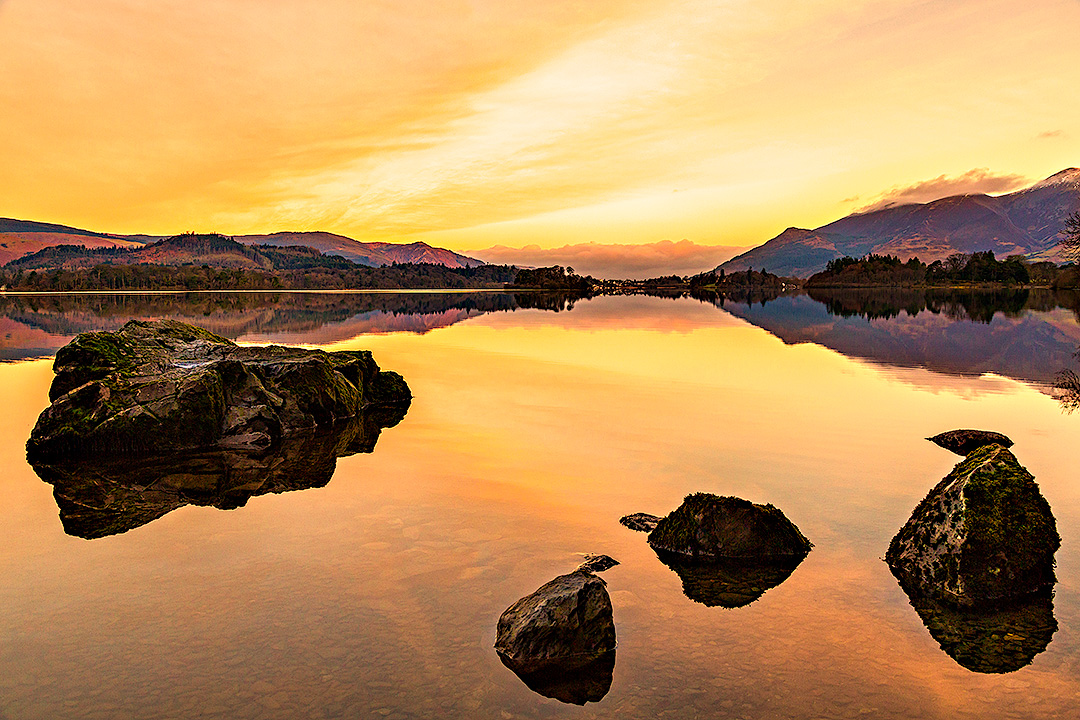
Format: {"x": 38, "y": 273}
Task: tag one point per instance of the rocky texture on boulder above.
{"x": 964, "y": 442}
{"x": 160, "y": 386}
{"x": 560, "y": 636}
{"x": 984, "y": 533}
{"x": 711, "y": 527}
{"x": 110, "y": 495}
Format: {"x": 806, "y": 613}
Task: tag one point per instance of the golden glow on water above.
{"x": 530, "y": 434}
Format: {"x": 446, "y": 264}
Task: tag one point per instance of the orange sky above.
{"x": 469, "y": 123}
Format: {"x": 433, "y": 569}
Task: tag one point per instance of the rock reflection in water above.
{"x": 990, "y": 639}
{"x": 729, "y": 583}
{"x": 105, "y": 497}
{"x": 575, "y": 685}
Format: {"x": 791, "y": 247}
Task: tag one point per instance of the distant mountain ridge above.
{"x": 216, "y": 251}
{"x": 19, "y": 238}
{"x": 1027, "y": 222}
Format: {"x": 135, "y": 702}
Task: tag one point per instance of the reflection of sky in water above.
{"x": 530, "y": 435}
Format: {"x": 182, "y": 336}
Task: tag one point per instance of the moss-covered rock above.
{"x": 160, "y": 386}
{"x": 709, "y": 527}
{"x": 984, "y": 533}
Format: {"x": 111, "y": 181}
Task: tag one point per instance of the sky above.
{"x": 478, "y": 124}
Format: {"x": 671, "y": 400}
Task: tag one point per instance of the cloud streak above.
{"x": 616, "y": 261}
{"x": 977, "y": 181}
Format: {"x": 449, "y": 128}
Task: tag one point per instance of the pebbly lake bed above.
{"x": 535, "y": 425}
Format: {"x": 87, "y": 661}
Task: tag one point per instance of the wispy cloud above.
{"x": 1051, "y": 135}
{"x": 979, "y": 180}
{"x": 617, "y": 261}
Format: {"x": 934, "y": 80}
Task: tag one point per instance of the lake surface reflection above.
{"x": 530, "y": 434}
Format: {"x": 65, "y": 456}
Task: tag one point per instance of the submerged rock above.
{"x": 110, "y": 495}
{"x": 984, "y": 533}
{"x": 964, "y": 442}
{"x": 729, "y": 583}
{"x": 998, "y": 638}
{"x": 711, "y": 527}
{"x": 560, "y": 635}
{"x": 161, "y": 386}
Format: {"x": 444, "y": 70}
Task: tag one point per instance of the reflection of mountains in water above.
{"x": 1026, "y": 335}
{"x": 38, "y": 325}
{"x": 112, "y": 495}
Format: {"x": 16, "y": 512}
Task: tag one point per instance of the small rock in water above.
{"x": 707, "y": 526}
{"x": 727, "y": 551}
{"x": 597, "y": 563}
{"x": 964, "y": 442}
{"x": 641, "y": 522}
{"x": 560, "y": 639}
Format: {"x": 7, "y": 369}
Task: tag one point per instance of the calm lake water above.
{"x": 531, "y": 432}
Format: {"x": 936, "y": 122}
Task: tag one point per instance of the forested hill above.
{"x": 19, "y": 238}
{"x": 1029, "y": 222}
{"x": 215, "y": 262}
{"x": 980, "y": 268}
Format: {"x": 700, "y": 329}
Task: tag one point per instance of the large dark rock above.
{"x": 162, "y": 386}
{"x": 709, "y": 527}
{"x": 983, "y": 534}
{"x": 560, "y": 640}
{"x": 113, "y": 494}
{"x": 964, "y": 442}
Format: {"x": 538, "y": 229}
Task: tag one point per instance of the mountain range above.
{"x": 19, "y": 238}
{"x": 1028, "y": 222}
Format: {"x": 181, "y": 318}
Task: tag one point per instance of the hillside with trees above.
{"x": 959, "y": 269}
{"x": 216, "y": 262}
{"x": 556, "y": 277}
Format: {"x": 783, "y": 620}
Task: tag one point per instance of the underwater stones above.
{"x": 161, "y": 386}
{"x": 560, "y": 636}
{"x": 984, "y": 533}
{"x": 963, "y": 442}
{"x": 710, "y": 527}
